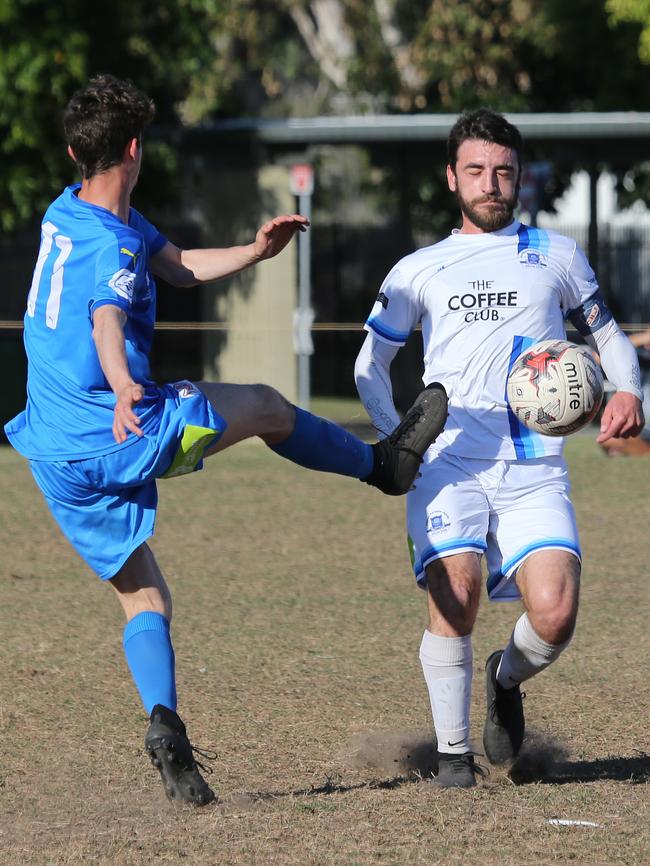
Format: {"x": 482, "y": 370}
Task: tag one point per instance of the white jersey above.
{"x": 481, "y": 300}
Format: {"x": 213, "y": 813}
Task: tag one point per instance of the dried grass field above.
{"x": 297, "y": 625}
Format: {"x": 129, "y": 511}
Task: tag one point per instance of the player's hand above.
{"x": 622, "y": 417}
{"x": 124, "y": 418}
{"x": 274, "y": 235}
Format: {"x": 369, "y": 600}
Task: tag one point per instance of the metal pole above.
{"x": 304, "y": 346}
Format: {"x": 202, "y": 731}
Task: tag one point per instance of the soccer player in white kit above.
{"x": 489, "y": 485}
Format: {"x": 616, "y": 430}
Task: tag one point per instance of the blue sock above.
{"x": 319, "y": 444}
{"x": 150, "y": 656}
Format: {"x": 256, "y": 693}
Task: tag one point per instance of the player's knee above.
{"x": 276, "y": 415}
{"x": 146, "y": 600}
{"x": 554, "y": 615}
{"x": 141, "y": 587}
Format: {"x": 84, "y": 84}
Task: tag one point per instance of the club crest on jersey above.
{"x": 437, "y": 521}
{"x": 533, "y": 257}
{"x": 123, "y": 284}
{"x": 186, "y": 389}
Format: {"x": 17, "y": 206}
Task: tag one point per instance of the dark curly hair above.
{"x": 483, "y": 124}
{"x": 102, "y": 118}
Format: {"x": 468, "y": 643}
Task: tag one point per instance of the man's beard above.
{"x": 490, "y": 219}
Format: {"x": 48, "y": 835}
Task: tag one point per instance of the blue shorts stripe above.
{"x": 454, "y": 544}
{"x": 542, "y": 544}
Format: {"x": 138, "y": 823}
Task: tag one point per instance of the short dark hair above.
{"x": 483, "y": 124}
{"x": 102, "y": 118}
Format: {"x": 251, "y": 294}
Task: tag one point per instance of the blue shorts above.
{"x": 106, "y": 506}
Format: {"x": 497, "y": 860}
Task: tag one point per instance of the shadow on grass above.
{"x": 531, "y": 768}
{"x": 405, "y": 757}
{"x": 397, "y": 757}
{"x": 542, "y": 765}
{"x": 249, "y": 799}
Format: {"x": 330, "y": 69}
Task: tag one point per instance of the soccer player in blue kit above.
{"x": 98, "y": 431}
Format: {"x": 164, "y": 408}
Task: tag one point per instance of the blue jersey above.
{"x": 88, "y": 257}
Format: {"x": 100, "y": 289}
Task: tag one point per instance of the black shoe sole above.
{"x": 398, "y": 457}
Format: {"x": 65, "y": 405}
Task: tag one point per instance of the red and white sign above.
{"x": 301, "y": 179}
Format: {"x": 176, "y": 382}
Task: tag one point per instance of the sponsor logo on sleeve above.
{"x": 123, "y": 284}
{"x": 592, "y": 316}
{"x": 383, "y": 300}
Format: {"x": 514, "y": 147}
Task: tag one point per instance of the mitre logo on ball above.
{"x": 555, "y": 387}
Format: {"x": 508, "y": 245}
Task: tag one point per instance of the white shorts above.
{"x": 507, "y": 508}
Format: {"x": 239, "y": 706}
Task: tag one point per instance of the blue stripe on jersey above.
{"x": 386, "y": 332}
{"x": 523, "y": 244}
{"x": 541, "y": 241}
{"x": 527, "y": 443}
{"x": 533, "y": 238}
{"x": 541, "y": 544}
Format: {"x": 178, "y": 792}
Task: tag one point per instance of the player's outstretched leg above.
{"x": 172, "y": 755}
{"x": 398, "y": 457}
{"x": 390, "y": 465}
{"x": 457, "y": 771}
{"x": 503, "y": 733}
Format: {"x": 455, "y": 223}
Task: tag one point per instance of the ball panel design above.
{"x": 555, "y": 387}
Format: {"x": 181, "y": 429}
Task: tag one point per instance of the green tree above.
{"x": 327, "y": 56}
{"x": 637, "y": 12}
{"x": 204, "y": 59}
{"x": 50, "y": 49}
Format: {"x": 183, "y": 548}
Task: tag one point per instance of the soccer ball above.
{"x": 555, "y": 387}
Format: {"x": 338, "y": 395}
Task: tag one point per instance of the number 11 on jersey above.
{"x": 64, "y": 245}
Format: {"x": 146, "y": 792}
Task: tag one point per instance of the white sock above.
{"x": 447, "y": 667}
{"x": 526, "y": 654}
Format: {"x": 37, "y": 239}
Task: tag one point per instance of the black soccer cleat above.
{"x": 398, "y": 456}
{"x": 172, "y": 755}
{"x": 457, "y": 771}
{"x": 503, "y": 733}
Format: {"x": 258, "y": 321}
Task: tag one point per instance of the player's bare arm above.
{"x": 190, "y": 267}
{"x": 108, "y": 334}
{"x": 622, "y": 417}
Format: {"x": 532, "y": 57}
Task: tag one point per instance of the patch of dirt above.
{"x": 401, "y": 752}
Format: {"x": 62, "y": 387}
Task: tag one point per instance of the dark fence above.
{"x": 349, "y": 264}
{"x": 623, "y": 267}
